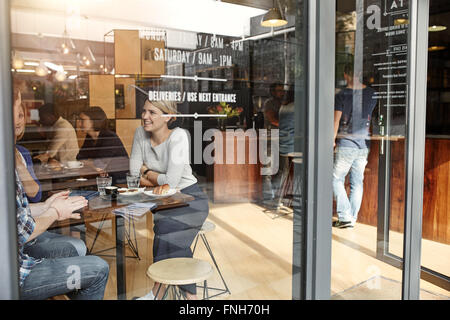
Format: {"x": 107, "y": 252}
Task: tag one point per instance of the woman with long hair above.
{"x": 161, "y": 155}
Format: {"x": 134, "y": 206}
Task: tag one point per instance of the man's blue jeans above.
{"x": 63, "y": 270}
{"x": 347, "y": 160}
{"x": 53, "y": 245}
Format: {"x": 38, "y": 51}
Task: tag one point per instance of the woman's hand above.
{"x": 66, "y": 206}
{"x": 143, "y": 169}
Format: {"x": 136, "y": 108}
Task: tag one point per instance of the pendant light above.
{"x": 60, "y": 74}
{"x": 17, "y": 61}
{"x": 273, "y": 18}
{"x": 41, "y": 69}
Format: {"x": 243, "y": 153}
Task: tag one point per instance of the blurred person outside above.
{"x": 352, "y": 117}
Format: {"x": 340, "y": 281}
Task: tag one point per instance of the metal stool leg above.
{"x": 206, "y": 243}
{"x": 195, "y": 244}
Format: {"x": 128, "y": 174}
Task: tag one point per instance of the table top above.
{"x": 100, "y": 208}
{"x": 43, "y": 173}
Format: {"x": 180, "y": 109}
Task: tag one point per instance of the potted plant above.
{"x": 224, "y": 109}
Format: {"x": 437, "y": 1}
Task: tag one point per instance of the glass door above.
{"x": 376, "y": 238}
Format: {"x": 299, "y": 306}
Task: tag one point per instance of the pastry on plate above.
{"x": 161, "y": 190}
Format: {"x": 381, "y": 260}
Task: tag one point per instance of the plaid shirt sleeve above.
{"x": 25, "y": 227}
{"x": 25, "y": 222}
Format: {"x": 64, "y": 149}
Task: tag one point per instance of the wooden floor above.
{"x": 254, "y": 253}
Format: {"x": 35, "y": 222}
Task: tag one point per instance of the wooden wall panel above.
{"x": 125, "y": 130}
{"x": 436, "y": 199}
{"x": 101, "y": 93}
{"x": 369, "y": 205}
{"x": 127, "y": 52}
{"x": 148, "y": 65}
{"x": 398, "y": 185}
{"x": 130, "y": 99}
{"x": 236, "y": 182}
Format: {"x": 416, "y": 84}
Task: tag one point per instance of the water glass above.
{"x": 133, "y": 181}
{"x": 103, "y": 182}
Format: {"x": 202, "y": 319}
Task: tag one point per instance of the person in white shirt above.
{"x": 63, "y": 138}
{"x": 161, "y": 155}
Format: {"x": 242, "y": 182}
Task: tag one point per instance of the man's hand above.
{"x": 66, "y": 207}
{"x": 62, "y": 194}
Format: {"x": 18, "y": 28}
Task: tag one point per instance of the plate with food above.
{"x": 53, "y": 166}
{"x": 130, "y": 191}
{"x": 161, "y": 191}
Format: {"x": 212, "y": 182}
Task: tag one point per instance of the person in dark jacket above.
{"x": 102, "y": 146}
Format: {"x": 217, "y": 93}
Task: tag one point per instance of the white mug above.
{"x": 74, "y": 164}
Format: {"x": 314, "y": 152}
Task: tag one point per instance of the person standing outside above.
{"x": 352, "y": 116}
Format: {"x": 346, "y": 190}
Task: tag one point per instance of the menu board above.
{"x": 386, "y": 57}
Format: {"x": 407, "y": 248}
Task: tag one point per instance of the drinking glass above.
{"x": 103, "y": 182}
{"x": 133, "y": 181}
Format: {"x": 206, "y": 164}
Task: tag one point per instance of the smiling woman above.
{"x": 161, "y": 155}
{"x": 24, "y": 163}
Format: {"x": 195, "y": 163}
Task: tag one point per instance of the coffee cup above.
{"x": 74, "y": 164}
{"x": 112, "y": 191}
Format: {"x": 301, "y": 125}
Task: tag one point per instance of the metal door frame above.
{"x": 417, "y": 94}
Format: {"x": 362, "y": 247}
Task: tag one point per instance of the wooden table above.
{"x": 101, "y": 209}
{"x": 74, "y": 178}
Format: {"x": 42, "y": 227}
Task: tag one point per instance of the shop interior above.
{"x": 113, "y": 55}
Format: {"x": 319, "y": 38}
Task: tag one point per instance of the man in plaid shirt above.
{"x": 55, "y": 268}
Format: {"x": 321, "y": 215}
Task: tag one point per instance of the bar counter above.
{"x": 436, "y": 201}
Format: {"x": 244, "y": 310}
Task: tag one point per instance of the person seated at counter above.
{"x": 24, "y": 163}
{"x": 63, "y": 138}
{"x": 102, "y": 148}
{"x": 160, "y": 154}
{"x": 352, "y": 116}
{"x": 286, "y": 141}
{"x": 272, "y": 105}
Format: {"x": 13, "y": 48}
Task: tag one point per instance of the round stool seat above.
{"x": 207, "y": 227}
{"x": 179, "y": 271}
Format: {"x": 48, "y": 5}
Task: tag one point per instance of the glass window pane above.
{"x": 184, "y": 108}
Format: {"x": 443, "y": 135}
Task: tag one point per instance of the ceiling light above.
{"x": 31, "y": 63}
{"x": 41, "y": 70}
{"x": 273, "y": 18}
{"x": 436, "y": 48}
{"x": 17, "y": 62}
{"x": 400, "y": 21}
{"x": 25, "y": 70}
{"x": 437, "y": 28}
{"x": 60, "y": 74}
{"x": 52, "y": 66}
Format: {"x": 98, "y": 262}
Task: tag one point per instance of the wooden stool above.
{"x": 180, "y": 271}
{"x": 208, "y": 226}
